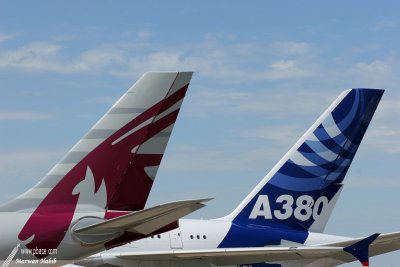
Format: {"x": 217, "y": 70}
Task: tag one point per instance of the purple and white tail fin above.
{"x": 113, "y": 166}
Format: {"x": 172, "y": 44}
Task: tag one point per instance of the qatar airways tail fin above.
{"x": 301, "y": 190}
{"x": 114, "y": 165}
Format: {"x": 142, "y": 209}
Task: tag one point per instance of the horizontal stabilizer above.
{"x": 384, "y": 243}
{"x": 360, "y": 249}
{"x": 142, "y": 222}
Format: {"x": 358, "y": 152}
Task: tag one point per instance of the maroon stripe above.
{"x": 121, "y": 198}
{"x": 151, "y": 112}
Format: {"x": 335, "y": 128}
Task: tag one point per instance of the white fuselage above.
{"x": 191, "y": 235}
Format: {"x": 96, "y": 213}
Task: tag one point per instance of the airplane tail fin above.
{"x": 300, "y": 192}
{"x": 113, "y": 166}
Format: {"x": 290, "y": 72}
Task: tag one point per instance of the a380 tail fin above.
{"x": 113, "y": 166}
{"x": 303, "y": 187}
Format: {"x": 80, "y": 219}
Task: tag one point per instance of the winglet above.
{"x": 360, "y": 249}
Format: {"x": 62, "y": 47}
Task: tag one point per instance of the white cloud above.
{"x": 217, "y": 57}
{"x": 99, "y": 59}
{"x": 283, "y": 134}
{"x": 287, "y": 69}
{"x": 213, "y": 37}
{"x": 48, "y": 57}
{"x": 388, "y": 109}
{"x": 377, "y": 73}
{"x": 103, "y": 100}
{"x": 384, "y": 135}
{"x": 290, "y": 48}
{"x": 62, "y": 38}
{"x": 282, "y": 102}
{"x": 6, "y": 37}
{"x": 155, "y": 61}
{"x": 34, "y": 56}
{"x": 390, "y": 106}
{"x": 386, "y": 24}
{"x": 218, "y": 159}
{"x": 384, "y": 139}
{"x": 212, "y": 58}
{"x": 374, "y": 67}
{"x": 374, "y": 182}
{"x": 221, "y": 99}
{"x": 226, "y": 61}
{"x": 144, "y": 35}
{"x": 18, "y": 116}
{"x": 26, "y": 164}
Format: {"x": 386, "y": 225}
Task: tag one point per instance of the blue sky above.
{"x": 264, "y": 71}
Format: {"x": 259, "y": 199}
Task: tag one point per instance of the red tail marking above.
{"x": 52, "y": 218}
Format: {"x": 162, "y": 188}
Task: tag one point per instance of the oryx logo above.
{"x": 47, "y": 226}
{"x": 10, "y": 257}
{"x": 302, "y": 208}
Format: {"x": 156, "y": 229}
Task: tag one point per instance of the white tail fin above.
{"x": 110, "y": 168}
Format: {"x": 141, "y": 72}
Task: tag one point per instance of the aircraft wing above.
{"x": 383, "y": 244}
{"x": 347, "y": 251}
{"x": 142, "y": 222}
{"x": 235, "y": 256}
